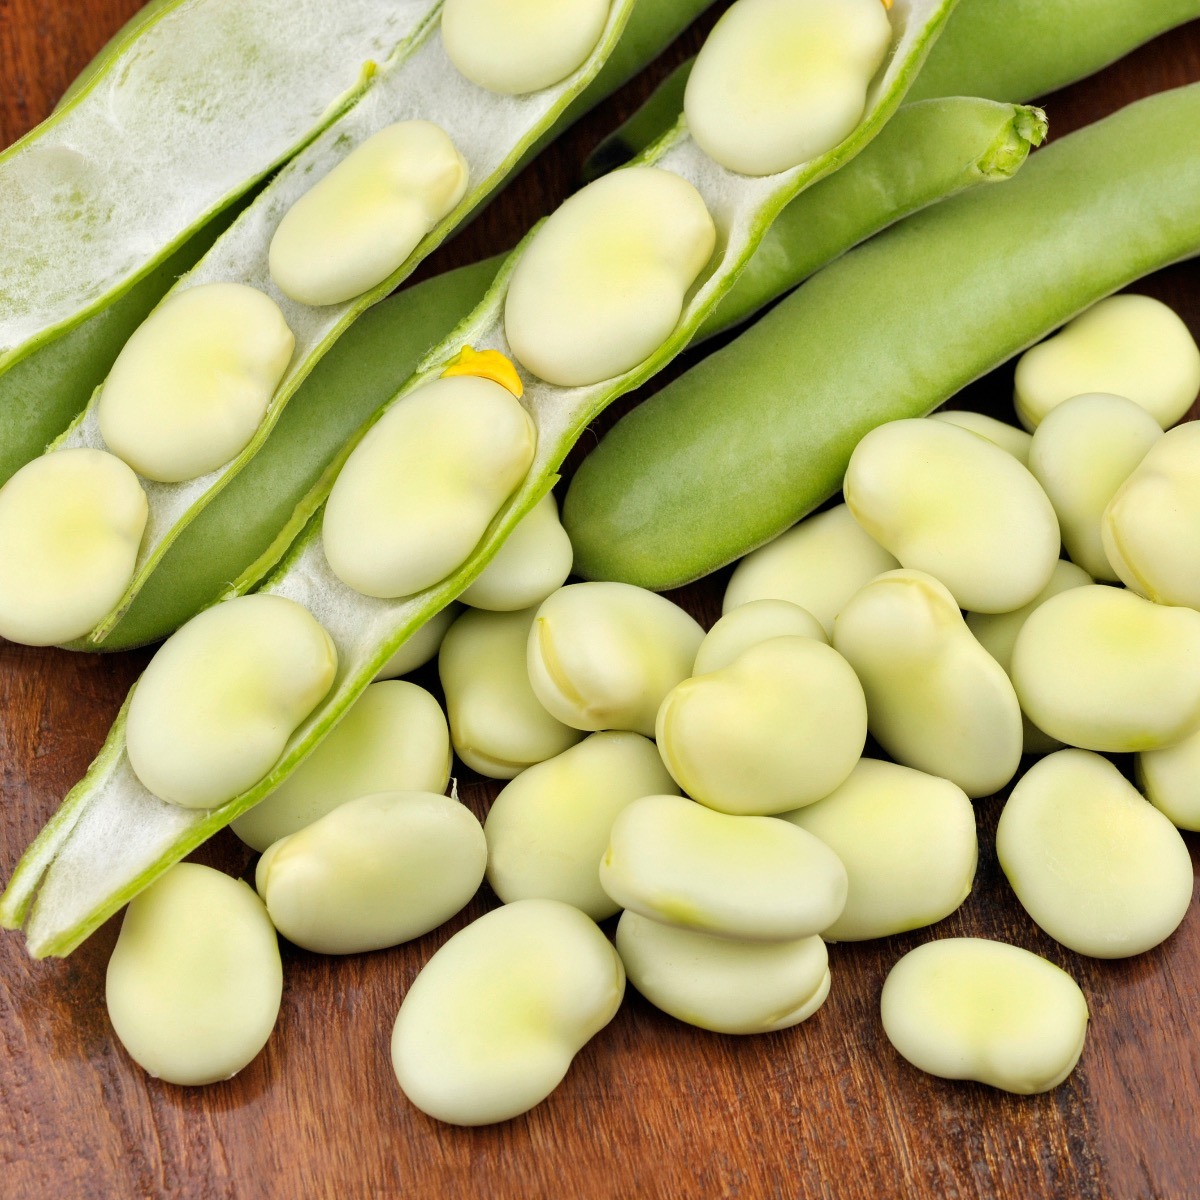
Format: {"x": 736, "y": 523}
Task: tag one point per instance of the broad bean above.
{"x": 1008, "y": 437}
{"x": 1170, "y": 778}
{"x": 422, "y": 647}
{"x": 751, "y": 624}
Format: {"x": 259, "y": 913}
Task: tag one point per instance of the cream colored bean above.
{"x": 968, "y": 1008}
{"x": 1170, "y": 777}
{"x": 419, "y": 491}
{"x": 195, "y": 979}
{"x": 907, "y": 841}
{"x": 604, "y": 655}
{"x": 1131, "y": 346}
{"x": 193, "y": 383}
{"x": 215, "y": 708}
{"x": 936, "y": 700}
{"x": 780, "y": 727}
{"x": 519, "y": 46}
{"x": 720, "y": 984}
{"x": 422, "y": 647}
{"x": 71, "y": 523}
{"x": 394, "y": 739}
{"x": 549, "y": 828}
{"x": 1008, "y": 437}
{"x": 1083, "y": 451}
{"x": 750, "y": 624}
{"x": 753, "y": 878}
{"x": 1151, "y": 528}
{"x": 534, "y": 562}
{"x": 375, "y": 872}
{"x": 602, "y": 284}
{"x": 1094, "y": 864}
{"x": 780, "y": 82}
{"x": 489, "y": 1027}
{"x": 948, "y": 502}
{"x": 497, "y": 725}
{"x": 818, "y": 564}
{"x": 1101, "y": 668}
{"x": 359, "y": 224}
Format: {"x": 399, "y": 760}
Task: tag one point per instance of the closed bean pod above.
{"x": 1151, "y": 527}
{"x": 218, "y": 702}
{"x": 779, "y": 82}
{"x": 602, "y": 283}
{"x": 419, "y": 491}
{"x": 753, "y": 878}
{"x": 721, "y": 984}
{"x": 1099, "y": 868}
{"x": 936, "y": 700}
{"x": 780, "y": 727}
{"x": 70, "y": 527}
{"x": 376, "y": 871}
{"x": 195, "y": 979}
{"x": 497, "y": 724}
{"x": 969, "y": 1008}
{"x": 604, "y": 655}
{"x": 1101, "y": 668}
{"x": 489, "y": 1027}
{"x": 519, "y": 46}
{"x": 1008, "y": 437}
{"x": 1128, "y": 345}
{"x": 1083, "y": 450}
{"x": 422, "y": 647}
{"x": 751, "y": 624}
{"x": 1170, "y": 778}
{"x": 907, "y": 841}
{"x": 393, "y": 740}
{"x": 819, "y": 565}
{"x": 359, "y": 223}
{"x": 548, "y": 829}
{"x": 533, "y": 563}
{"x": 950, "y": 503}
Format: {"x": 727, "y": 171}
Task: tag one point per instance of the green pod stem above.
{"x": 111, "y": 837}
{"x": 759, "y": 433}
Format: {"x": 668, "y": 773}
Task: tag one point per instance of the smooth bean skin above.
{"x": 1128, "y": 345}
{"x": 218, "y": 702}
{"x": 1170, "y": 779}
{"x": 780, "y": 82}
{"x": 418, "y": 492}
{"x": 818, "y": 565}
{"x": 1083, "y": 450}
{"x": 752, "y": 878}
{"x": 193, "y": 383}
{"x": 605, "y": 655}
{"x": 71, "y": 523}
{"x": 1099, "y": 868}
{"x": 358, "y": 225}
{"x": 520, "y": 46}
{"x": 548, "y": 829}
{"x": 720, "y": 984}
{"x": 377, "y": 871}
{"x": 422, "y": 647}
{"x": 534, "y": 562}
{"x": 780, "y": 727}
{"x": 907, "y": 841}
{"x": 1103, "y": 669}
{"x": 950, "y": 503}
{"x": 394, "y": 739}
{"x": 936, "y": 700}
{"x": 1151, "y": 527}
{"x": 195, "y": 979}
{"x": 497, "y": 725}
{"x": 969, "y": 1008}
{"x": 491, "y": 1024}
{"x": 751, "y": 624}
{"x": 602, "y": 284}
{"x": 1008, "y": 437}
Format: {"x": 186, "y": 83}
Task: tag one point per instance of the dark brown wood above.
{"x": 652, "y": 1107}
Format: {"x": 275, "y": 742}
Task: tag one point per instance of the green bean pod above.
{"x": 111, "y": 837}
{"x": 768, "y": 423}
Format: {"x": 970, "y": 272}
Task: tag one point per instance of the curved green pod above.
{"x": 111, "y": 837}
{"x": 767, "y": 424}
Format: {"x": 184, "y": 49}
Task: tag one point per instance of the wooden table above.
{"x": 652, "y": 1107}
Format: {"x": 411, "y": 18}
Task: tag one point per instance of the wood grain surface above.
{"x": 651, "y": 1107}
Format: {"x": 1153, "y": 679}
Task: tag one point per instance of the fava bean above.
{"x": 1170, "y": 777}
{"x": 1008, "y": 437}
{"x": 751, "y": 624}
{"x": 422, "y": 647}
